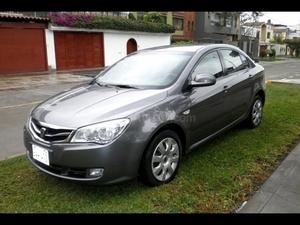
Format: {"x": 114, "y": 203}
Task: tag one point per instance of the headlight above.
{"x": 101, "y": 133}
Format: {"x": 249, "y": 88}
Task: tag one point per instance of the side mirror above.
{"x": 202, "y": 80}
{"x": 256, "y": 60}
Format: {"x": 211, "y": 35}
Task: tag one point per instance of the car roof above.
{"x": 187, "y": 48}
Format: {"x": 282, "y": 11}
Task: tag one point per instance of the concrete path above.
{"x": 286, "y": 81}
{"x": 281, "y": 192}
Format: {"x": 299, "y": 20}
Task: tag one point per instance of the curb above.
{"x": 282, "y": 82}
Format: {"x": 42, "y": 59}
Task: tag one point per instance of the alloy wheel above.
{"x": 165, "y": 159}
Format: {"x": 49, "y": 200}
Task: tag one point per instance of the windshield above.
{"x": 149, "y": 69}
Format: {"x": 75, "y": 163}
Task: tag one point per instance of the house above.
{"x": 264, "y": 33}
{"x": 218, "y": 27}
{"x": 184, "y": 23}
{"x": 33, "y": 44}
{"x": 213, "y": 27}
{"x": 23, "y": 44}
{"x": 294, "y": 32}
{"x": 249, "y": 41}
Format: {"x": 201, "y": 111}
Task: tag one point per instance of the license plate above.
{"x": 40, "y": 154}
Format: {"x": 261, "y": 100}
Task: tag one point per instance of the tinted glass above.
{"x": 210, "y": 64}
{"x": 232, "y": 60}
{"x": 244, "y": 60}
{"x": 155, "y": 69}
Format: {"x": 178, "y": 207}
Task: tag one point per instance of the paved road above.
{"x": 15, "y": 105}
{"x": 289, "y": 69}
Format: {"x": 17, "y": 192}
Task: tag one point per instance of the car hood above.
{"x": 88, "y": 104}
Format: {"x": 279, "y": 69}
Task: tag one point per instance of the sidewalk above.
{"x": 286, "y": 81}
{"x": 24, "y": 82}
{"x": 281, "y": 192}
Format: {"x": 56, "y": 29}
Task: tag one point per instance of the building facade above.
{"x": 184, "y": 23}
{"x": 31, "y": 45}
{"x": 218, "y": 27}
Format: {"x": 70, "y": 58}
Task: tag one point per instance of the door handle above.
{"x": 250, "y": 75}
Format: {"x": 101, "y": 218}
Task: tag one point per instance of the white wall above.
{"x": 50, "y": 49}
{"x": 115, "y": 43}
{"x": 280, "y": 49}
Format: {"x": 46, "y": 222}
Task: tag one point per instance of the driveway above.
{"x": 16, "y": 104}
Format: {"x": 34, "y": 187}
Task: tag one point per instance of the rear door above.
{"x": 239, "y": 89}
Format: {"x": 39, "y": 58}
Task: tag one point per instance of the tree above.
{"x": 250, "y": 19}
{"x": 278, "y": 40}
{"x": 294, "y": 45}
{"x": 153, "y": 18}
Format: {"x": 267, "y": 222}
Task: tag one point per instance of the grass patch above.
{"x": 217, "y": 179}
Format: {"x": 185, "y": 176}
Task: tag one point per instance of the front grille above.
{"x": 64, "y": 171}
{"x": 49, "y": 134}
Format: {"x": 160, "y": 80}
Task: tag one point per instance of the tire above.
{"x": 256, "y": 112}
{"x": 160, "y": 163}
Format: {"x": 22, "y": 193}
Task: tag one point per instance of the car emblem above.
{"x": 43, "y": 131}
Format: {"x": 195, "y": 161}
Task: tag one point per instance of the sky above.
{"x": 286, "y": 18}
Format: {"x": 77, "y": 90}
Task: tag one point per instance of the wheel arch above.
{"x": 177, "y": 128}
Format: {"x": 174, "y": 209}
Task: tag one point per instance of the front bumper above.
{"x": 120, "y": 159}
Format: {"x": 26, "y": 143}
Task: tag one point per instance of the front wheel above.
{"x": 256, "y": 113}
{"x": 161, "y": 160}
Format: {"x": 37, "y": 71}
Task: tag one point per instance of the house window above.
{"x": 189, "y": 26}
{"x": 268, "y": 35}
{"x": 214, "y": 19}
{"x": 228, "y": 20}
{"x": 192, "y": 26}
{"x": 178, "y": 23}
{"x": 222, "y": 20}
{"x": 257, "y": 34}
{"x": 235, "y": 21}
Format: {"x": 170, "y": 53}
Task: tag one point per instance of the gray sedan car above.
{"x": 139, "y": 117}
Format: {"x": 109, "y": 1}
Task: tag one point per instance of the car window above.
{"x": 209, "y": 64}
{"x": 148, "y": 69}
{"x": 232, "y": 60}
{"x": 245, "y": 60}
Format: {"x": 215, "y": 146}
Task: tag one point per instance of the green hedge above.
{"x": 108, "y": 22}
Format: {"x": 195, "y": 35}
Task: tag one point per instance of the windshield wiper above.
{"x": 116, "y": 85}
{"x": 124, "y": 86}
{"x": 103, "y": 84}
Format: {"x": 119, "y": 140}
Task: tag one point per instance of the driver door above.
{"x": 208, "y": 104}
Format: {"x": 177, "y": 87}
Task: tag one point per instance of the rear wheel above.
{"x": 161, "y": 160}
{"x": 255, "y": 115}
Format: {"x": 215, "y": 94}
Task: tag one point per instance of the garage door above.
{"x": 75, "y": 50}
{"x": 22, "y": 50}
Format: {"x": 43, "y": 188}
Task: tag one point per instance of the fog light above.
{"x": 97, "y": 172}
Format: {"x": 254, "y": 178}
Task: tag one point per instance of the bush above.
{"x": 153, "y": 18}
{"x": 107, "y": 22}
{"x": 179, "y": 43}
{"x": 297, "y": 52}
{"x": 131, "y": 16}
{"x": 263, "y": 53}
{"x": 272, "y": 53}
